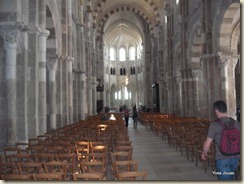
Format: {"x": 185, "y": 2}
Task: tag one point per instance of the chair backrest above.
{"x": 124, "y": 166}
{"x": 43, "y": 157}
{"x": 88, "y": 176}
{"x": 7, "y": 168}
{"x": 71, "y": 161}
{"x": 132, "y": 175}
{"x": 30, "y": 168}
{"x": 10, "y": 151}
{"x": 20, "y": 157}
{"x": 56, "y": 167}
{"x": 120, "y": 156}
{"x": 23, "y": 146}
{"x": 83, "y": 144}
{"x": 47, "y": 176}
{"x": 92, "y": 167}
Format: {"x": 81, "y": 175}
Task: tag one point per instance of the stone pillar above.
{"x": 196, "y": 77}
{"x": 11, "y": 38}
{"x": 59, "y": 95}
{"x": 179, "y": 91}
{"x": 108, "y": 104}
{"x": 76, "y": 96}
{"x": 227, "y": 63}
{"x": 90, "y": 100}
{"x": 83, "y": 96}
{"x": 70, "y": 90}
{"x": 52, "y": 68}
{"x": 94, "y": 94}
{"x": 84, "y": 104}
{"x": 42, "y": 82}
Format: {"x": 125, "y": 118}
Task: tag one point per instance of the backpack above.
{"x": 230, "y": 138}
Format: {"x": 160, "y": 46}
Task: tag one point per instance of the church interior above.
{"x": 64, "y": 64}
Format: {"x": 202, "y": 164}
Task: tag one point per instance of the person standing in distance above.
{"x": 126, "y": 116}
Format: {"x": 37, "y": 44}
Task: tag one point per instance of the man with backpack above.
{"x": 225, "y": 131}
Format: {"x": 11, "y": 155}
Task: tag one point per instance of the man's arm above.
{"x": 206, "y": 147}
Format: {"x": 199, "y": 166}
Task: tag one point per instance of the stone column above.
{"x": 70, "y": 90}
{"x": 42, "y": 82}
{"x": 83, "y": 77}
{"x": 52, "y": 68}
{"x": 94, "y": 94}
{"x": 196, "y": 77}
{"x": 11, "y": 38}
{"x": 76, "y": 97}
{"x": 179, "y": 91}
{"x": 227, "y": 63}
{"x": 83, "y": 96}
{"x": 89, "y": 100}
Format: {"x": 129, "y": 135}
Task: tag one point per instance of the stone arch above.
{"x": 223, "y": 25}
{"x": 101, "y": 3}
{"x": 195, "y": 47}
{"x": 228, "y": 30}
{"x": 120, "y": 9}
{"x": 53, "y": 7}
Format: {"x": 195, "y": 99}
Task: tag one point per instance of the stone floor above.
{"x": 161, "y": 162}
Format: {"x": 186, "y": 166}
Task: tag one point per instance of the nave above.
{"x": 162, "y": 162}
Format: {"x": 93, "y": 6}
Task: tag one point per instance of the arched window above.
{"x": 116, "y": 95}
{"x": 132, "y": 53}
{"x": 122, "y": 54}
{"x": 112, "y": 54}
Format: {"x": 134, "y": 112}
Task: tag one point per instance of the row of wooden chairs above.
{"x": 186, "y": 135}
{"x": 83, "y": 148}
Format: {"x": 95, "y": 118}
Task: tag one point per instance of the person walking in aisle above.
{"x": 126, "y": 116}
{"x": 226, "y": 164}
{"x": 135, "y": 115}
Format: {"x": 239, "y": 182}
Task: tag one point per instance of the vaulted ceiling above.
{"x": 123, "y": 22}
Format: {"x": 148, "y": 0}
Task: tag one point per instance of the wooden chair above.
{"x": 124, "y": 166}
{"x": 10, "y": 151}
{"x": 132, "y": 175}
{"x": 16, "y": 177}
{"x": 93, "y": 167}
{"x": 101, "y": 157}
{"x": 87, "y": 176}
{"x": 128, "y": 149}
{"x": 8, "y": 168}
{"x": 23, "y": 146}
{"x": 123, "y": 143}
{"x": 30, "y": 168}
{"x": 20, "y": 157}
{"x": 56, "y": 167}
{"x": 43, "y": 157}
{"x": 71, "y": 161}
{"x": 99, "y": 149}
{"x": 47, "y": 176}
{"x": 82, "y": 149}
{"x": 120, "y": 156}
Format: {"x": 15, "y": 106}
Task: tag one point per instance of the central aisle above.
{"x": 162, "y": 162}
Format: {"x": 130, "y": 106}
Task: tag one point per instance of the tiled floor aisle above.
{"x": 162, "y": 162}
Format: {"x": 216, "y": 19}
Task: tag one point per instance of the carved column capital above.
{"x": 10, "y": 36}
{"x": 196, "y": 74}
{"x": 178, "y": 80}
{"x": 52, "y": 64}
{"x": 228, "y": 60}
